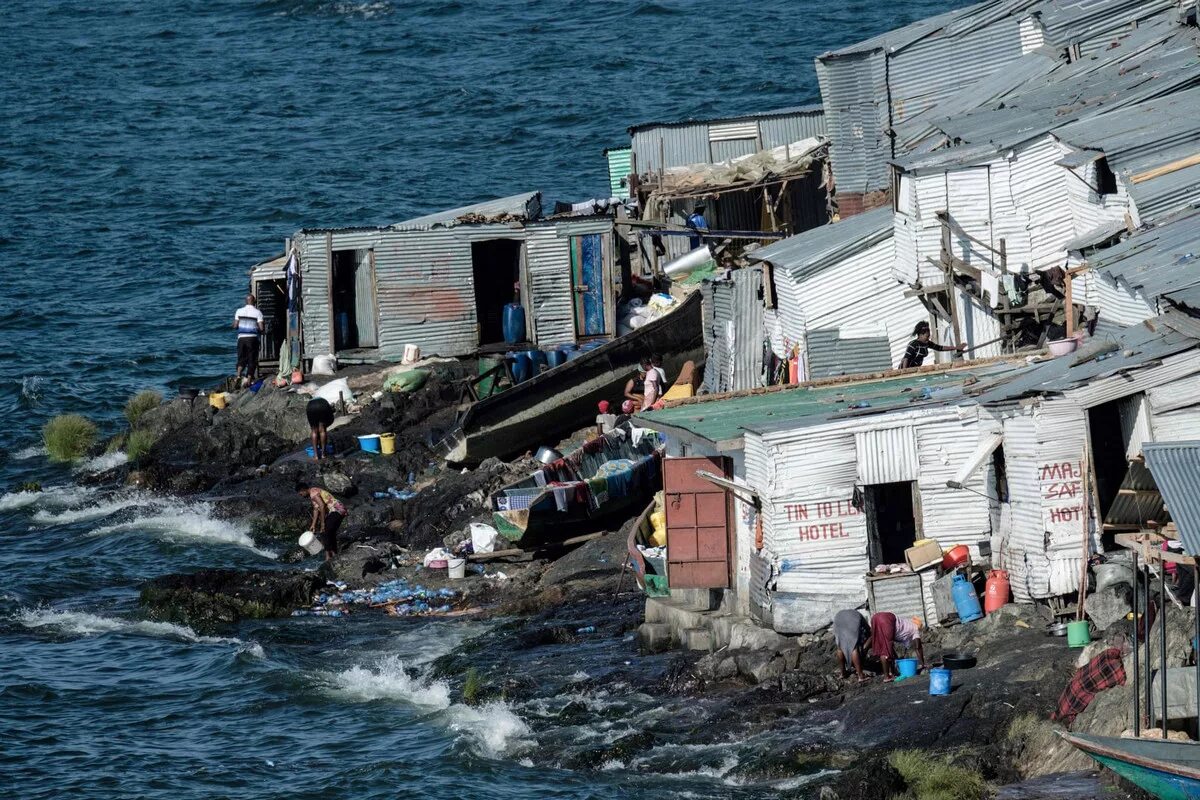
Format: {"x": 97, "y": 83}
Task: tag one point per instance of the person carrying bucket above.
{"x": 327, "y": 515}
{"x": 887, "y": 631}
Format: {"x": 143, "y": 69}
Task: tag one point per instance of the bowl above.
{"x": 958, "y": 660}
{"x": 1061, "y": 347}
{"x": 1057, "y": 629}
{"x": 956, "y": 556}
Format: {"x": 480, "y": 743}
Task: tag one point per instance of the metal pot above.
{"x": 958, "y": 660}
{"x": 548, "y": 455}
{"x": 1057, "y": 629}
{"x": 189, "y": 392}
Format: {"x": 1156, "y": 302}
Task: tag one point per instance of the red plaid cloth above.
{"x": 1102, "y": 672}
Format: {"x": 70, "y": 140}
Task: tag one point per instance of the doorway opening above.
{"x": 496, "y": 269}
{"x": 891, "y": 521}
{"x": 352, "y": 292}
{"x": 272, "y": 302}
{"x": 1126, "y": 495}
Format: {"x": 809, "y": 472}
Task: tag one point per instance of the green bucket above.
{"x": 1078, "y": 634}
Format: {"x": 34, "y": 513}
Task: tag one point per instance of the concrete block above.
{"x": 698, "y": 599}
{"x": 745, "y": 635}
{"x": 654, "y": 637}
{"x": 800, "y": 613}
{"x": 697, "y": 639}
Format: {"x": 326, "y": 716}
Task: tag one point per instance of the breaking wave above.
{"x": 83, "y": 623}
{"x": 391, "y": 679}
{"x": 492, "y": 729}
{"x": 53, "y": 497}
{"x": 26, "y": 453}
{"x": 181, "y": 522}
{"x": 98, "y": 510}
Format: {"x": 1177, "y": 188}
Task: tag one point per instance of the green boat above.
{"x": 607, "y": 480}
{"x": 1165, "y": 769}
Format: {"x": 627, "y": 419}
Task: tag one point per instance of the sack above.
{"x": 483, "y": 537}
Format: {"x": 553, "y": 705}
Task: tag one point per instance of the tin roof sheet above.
{"x": 810, "y": 109}
{"x": 1139, "y": 345}
{"x": 817, "y": 248}
{"x": 724, "y": 420}
{"x": 1176, "y": 470}
{"x": 515, "y": 208}
{"x": 1158, "y": 261}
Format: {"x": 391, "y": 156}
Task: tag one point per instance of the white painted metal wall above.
{"x": 859, "y": 296}
{"x": 551, "y": 306}
{"x": 1117, "y": 303}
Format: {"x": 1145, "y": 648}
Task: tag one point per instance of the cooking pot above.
{"x": 189, "y": 392}
{"x": 958, "y": 660}
{"x": 1057, "y": 629}
{"x": 548, "y": 455}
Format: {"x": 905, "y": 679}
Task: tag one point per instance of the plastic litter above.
{"x": 483, "y": 538}
{"x": 397, "y": 597}
{"x": 586, "y": 629}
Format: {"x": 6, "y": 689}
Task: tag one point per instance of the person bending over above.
{"x": 320, "y": 417}
{"x": 327, "y": 515}
{"x": 920, "y": 346}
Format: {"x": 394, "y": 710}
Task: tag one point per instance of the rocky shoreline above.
{"x": 245, "y": 459}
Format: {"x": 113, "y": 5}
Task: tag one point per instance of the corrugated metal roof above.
{"x": 1139, "y": 345}
{"x": 814, "y": 108}
{"x": 818, "y": 248}
{"x": 724, "y": 420}
{"x": 1159, "y": 261}
{"x": 1176, "y": 470}
{"x": 516, "y": 208}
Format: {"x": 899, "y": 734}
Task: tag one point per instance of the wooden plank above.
{"x": 1167, "y": 169}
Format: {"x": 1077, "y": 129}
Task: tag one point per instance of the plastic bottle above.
{"x": 586, "y": 629}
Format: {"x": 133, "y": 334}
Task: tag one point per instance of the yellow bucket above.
{"x": 217, "y": 400}
{"x": 387, "y": 443}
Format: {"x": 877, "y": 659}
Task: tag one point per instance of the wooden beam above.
{"x": 1166, "y": 169}
{"x": 1140, "y": 493}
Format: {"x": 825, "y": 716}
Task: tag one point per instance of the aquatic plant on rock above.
{"x": 139, "y": 404}
{"x": 68, "y": 437}
{"x": 931, "y": 777}
{"x": 138, "y": 444}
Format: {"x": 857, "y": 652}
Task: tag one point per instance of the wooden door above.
{"x": 699, "y": 552}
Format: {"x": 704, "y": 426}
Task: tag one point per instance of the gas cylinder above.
{"x": 794, "y": 370}
{"x": 995, "y": 596}
{"x": 966, "y": 602}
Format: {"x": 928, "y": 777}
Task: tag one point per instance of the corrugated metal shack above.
{"x": 441, "y": 281}
{"x": 657, "y": 146}
{"x": 1145, "y": 389}
{"x": 847, "y": 474}
{"x": 733, "y": 331}
{"x": 838, "y": 300}
{"x": 870, "y": 90}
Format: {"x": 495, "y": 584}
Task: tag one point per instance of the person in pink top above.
{"x": 887, "y": 631}
{"x": 653, "y": 384}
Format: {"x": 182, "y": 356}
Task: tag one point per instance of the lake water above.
{"x": 149, "y": 154}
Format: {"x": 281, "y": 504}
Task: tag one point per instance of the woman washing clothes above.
{"x": 850, "y": 632}
{"x": 887, "y": 631}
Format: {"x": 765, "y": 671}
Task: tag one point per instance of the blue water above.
{"x": 149, "y": 154}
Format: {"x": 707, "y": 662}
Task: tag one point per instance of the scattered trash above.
{"x": 483, "y": 538}
{"x": 396, "y": 597}
{"x": 586, "y": 629}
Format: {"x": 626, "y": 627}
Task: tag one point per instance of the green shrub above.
{"x": 114, "y": 444}
{"x": 68, "y": 437}
{"x": 138, "y": 444}
{"x": 139, "y": 404}
{"x": 472, "y": 686}
{"x": 932, "y": 778}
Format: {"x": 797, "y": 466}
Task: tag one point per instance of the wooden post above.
{"x": 948, "y": 272}
{"x": 1137, "y": 696}
{"x": 1162, "y": 646}
{"x": 1070, "y": 306}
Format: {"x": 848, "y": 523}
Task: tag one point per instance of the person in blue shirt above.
{"x": 697, "y": 222}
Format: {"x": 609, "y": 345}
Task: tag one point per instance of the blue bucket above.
{"x": 939, "y": 681}
{"x": 555, "y": 358}
{"x": 370, "y": 443}
{"x": 907, "y": 667}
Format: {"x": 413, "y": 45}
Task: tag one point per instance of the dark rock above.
{"x": 597, "y": 558}
{"x": 223, "y": 596}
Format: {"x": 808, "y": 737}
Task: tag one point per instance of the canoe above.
{"x": 650, "y": 575}
{"x": 562, "y": 400}
{"x": 1165, "y": 769}
{"x": 603, "y": 482}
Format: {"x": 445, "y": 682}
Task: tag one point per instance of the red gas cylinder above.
{"x": 995, "y": 596}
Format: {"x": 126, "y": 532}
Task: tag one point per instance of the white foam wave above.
{"x": 391, "y": 679}
{"x": 84, "y": 623}
{"x": 181, "y": 522}
{"x": 493, "y": 728}
{"x": 51, "y": 497}
{"x": 26, "y": 453}
{"x": 96, "y": 511}
{"x": 103, "y": 462}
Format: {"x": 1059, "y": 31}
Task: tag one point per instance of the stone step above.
{"x": 654, "y": 637}
{"x": 697, "y": 639}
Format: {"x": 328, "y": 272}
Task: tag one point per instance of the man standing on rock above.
{"x": 248, "y": 321}
{"x": 327, "y": 515}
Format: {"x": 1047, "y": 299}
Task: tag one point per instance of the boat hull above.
{"x": 1166, "y": 770}
{"x": 563, "y": 400}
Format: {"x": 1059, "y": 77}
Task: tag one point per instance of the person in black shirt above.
{"x": 920, "y": 346}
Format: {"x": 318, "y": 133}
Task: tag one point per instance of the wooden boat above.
{"x": 563, "y": 399}
{"x": 1165, "y": 769}
{"x": 650, "y": 574}
{"x": 604, "y": 481}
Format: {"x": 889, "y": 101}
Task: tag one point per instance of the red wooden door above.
{"x": 698, "y": 548}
